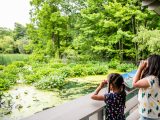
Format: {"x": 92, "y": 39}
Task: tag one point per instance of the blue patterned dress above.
{"x": 114, "y": 106}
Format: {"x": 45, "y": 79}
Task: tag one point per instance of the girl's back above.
{"x": 115, "y": 106}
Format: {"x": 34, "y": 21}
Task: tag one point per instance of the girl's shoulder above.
{"x": 152, "y": 80}
{"x": 151, "y": 77}
{"x": 113, "y": 95}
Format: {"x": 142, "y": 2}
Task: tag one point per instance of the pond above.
{"x": 23, "y": 100}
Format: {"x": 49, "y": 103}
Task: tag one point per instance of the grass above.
{"x": 6, "y": 59}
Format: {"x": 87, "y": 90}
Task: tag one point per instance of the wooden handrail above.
{"x": 83, "y": 108}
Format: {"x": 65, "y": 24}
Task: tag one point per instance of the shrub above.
{"x": 66, "y": 71}
{"x": 31, "y": 78}
{"x": 35, "y": 57}
{"x": 79, "y": 70}
{"x": 10, "y": 77}
{"x": 4, "y": 84}
{"x": 19, "y": 63}
{"x": 12, "y": 69}
{"x": 113, "y": 64}
{"x": 91, "y": 70}
{"x": 57, "y": 65}
{"x": 101, "y": 69}
{"x": 126, "y": 67}
{"x": 36, "y": 74}
{"x": 1, "y": 67}
{"x": 10, "y": 73}
{"x": 50, "y": 82}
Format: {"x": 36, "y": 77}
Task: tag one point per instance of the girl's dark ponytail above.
{"x": 123, "y": 93}
{"x": 109, "y": 87}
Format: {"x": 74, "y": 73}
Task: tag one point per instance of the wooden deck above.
{"x": 85, "y": 108}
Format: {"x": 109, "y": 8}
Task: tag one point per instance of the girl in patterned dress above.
{"x": 115, "y": 98}
{"x": 147, "y": 79}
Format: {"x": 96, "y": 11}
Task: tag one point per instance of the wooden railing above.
{"x": 84, "y": 108}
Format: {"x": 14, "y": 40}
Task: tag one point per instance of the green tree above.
{"x": 19, "y": 31}
{"x": 88, "y": 29}
{"x": 50, "y": 26}
{"x": 147, "y": 42}
{"x": 7, "y": 45}
{"x": 5, "y": 32}
{"x": 107, "y": 28}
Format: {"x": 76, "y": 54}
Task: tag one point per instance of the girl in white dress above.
{"x": 147, "y": 79}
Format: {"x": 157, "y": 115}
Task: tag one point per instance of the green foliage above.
{"x": 67, "y": 71}
{"x": 57, "y": 65}
{"x": 83, "y": 30}
{"x": 9, "y": 78}
{"x": 7, "y": 45}
{"x": 23, "y": 46}
{"x": 9, "y": 74}
{"x": 13, "y": 41}
{"x": 51, "y": 82}
{"x": 11, "y": 69}
{"x": 29, "y": 79}
{"x": 4, "y": 84}
{"x": 19, "y": 63}
{"x": 101, "y": 69}
{"x": 36, "y": 74}
{"x": 48, "y": 25}
{"x": 89, "y": 30}
{"x": 105, "y": 29}
{"x": 1, "y": 67}
{"x": 5, "y": 32}
{"x": 19, "y": 31}
{"x": 78, "y": 31}
{"x": 126, "y": 67}
{"x": 79, "y": 70}
{"x": 39, "y": 72}
{"x": 1, "y": 94}
{"x": 147, "y": 41}
{"x": 113, "y": 63}
{"x": 40, "y": 58}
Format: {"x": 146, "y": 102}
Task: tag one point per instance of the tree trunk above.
{"x": 135, "y": 32}
{"x": 56, "y": 44}
{"x": 121, "y": 49}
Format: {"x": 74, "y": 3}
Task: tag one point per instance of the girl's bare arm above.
{"x": 137, "y": 81}
{"x": 95, "y": 95}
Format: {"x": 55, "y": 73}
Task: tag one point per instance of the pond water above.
{"x": 25, "y": 100}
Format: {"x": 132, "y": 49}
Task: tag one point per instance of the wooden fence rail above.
{"x": 84, "y": 108}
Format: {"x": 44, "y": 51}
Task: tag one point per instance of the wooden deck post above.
{"x": 100, "y": 115}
